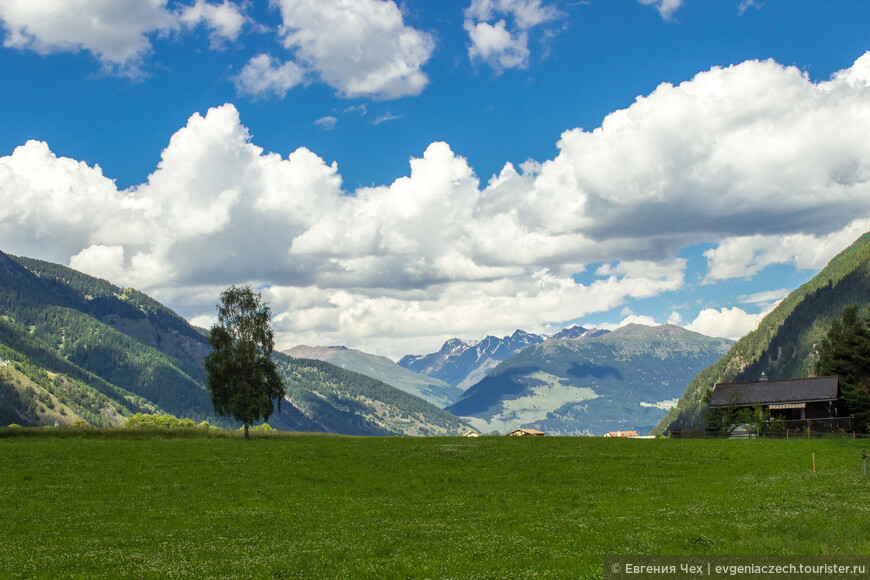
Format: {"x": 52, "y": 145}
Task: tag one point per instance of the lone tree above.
{"x": 242, "y": 377}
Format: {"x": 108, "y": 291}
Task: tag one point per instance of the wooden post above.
{"x": 814, "y": 461}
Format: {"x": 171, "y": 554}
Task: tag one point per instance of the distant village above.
{"x": 536, "y": 433}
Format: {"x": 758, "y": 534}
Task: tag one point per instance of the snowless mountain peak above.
{"x": 461, "y": 363}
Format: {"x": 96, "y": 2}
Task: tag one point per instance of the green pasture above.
{"x": 150, "y": 506}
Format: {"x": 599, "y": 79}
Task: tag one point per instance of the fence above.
{"x": 788, "y": 434}
{"x": 831, "y": 427}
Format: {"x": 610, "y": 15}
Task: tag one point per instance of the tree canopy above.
{"x": 845, "y": 352}
{"x": 242, "y": 376}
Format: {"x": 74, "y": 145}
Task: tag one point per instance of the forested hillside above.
{"x": 97, "y": 352}
{"x": 77, "y": 347}
{"x": 784, "y": 345}
{"x": 336, "y": 400}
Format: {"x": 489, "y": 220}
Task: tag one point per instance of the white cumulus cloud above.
{"x": 358, "y": 47}
{"x": 730, "y": 323}
{"x": 117, "y": 32}
{"x": 498, "y": 30}
{"x": 265, "y": 75}
{"x": 755, "y": 159}
{"x": 745, "y": 256}
{"x": 224, "y": 21}
{"x": 493, "y": 43}
{"x": 50, "y": 206}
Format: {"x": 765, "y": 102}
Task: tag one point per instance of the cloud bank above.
{"x": 116, "y": 32}
{"x": 754, "y": 158}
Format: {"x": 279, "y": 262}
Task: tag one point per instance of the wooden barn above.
{"x": 814, "y": 399}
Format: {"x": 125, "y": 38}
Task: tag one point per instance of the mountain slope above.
{"x": 783, "y": 346}
{"x": 77, "y": 347}
{"x": 619, "y": 381}
{"x": 103, "y": 351}
{"x": 336, "y": 400}
{"x": 383, "y": 369}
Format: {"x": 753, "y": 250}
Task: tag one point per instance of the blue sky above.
{"x": 349, "y": 157}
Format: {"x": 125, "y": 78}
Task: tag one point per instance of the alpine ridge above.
{"x": 620, "y": 381}
{"x": 464, "y": 364}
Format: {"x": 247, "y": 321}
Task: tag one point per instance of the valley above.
{"x": 79, "y": 348}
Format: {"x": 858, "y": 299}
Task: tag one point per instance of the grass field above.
{"x": 341, "y": 507}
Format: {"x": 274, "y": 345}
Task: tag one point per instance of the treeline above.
{"x": 101, "y": 298}
{"x": 31, "y": 289}
{"x": 140, "y": 425}
{"x": 845, "y": 352}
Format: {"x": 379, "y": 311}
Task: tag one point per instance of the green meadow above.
{"x": 157, "y": 506}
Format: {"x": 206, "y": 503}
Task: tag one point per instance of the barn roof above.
{"x": 622, "y": 434}
{"x": 526, "y": 432}
{"x": 774, "y": 392}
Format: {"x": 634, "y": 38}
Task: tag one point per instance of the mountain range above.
{"x": 463, "y": 364}
{"x": 784, "y": 344}
{"x": 77, "y": 347}
{"x": 428, "y": 388}
{"x": 622, "y": 380}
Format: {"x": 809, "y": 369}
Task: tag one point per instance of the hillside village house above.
{"x": 632, "y": 434}
{"x": 813, "y": 401}
{"x": 524, "y": 432}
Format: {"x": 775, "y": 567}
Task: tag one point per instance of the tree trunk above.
{"x": 246, "y": 432}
